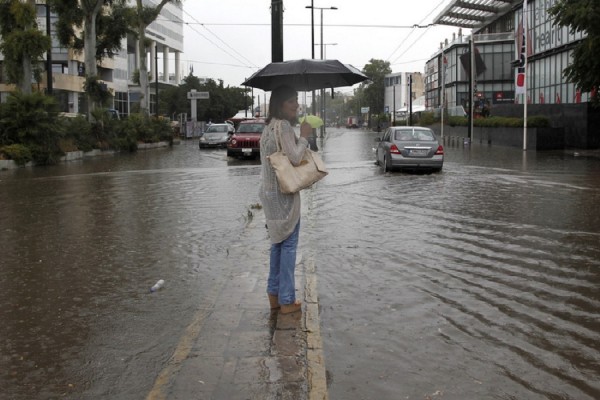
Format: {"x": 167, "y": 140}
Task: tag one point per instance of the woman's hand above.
{"x": 305, "y": 130}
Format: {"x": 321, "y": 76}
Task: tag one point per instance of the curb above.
{"x": 316, "y": 372}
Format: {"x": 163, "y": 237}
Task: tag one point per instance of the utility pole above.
{"x": 394, "y": 105}
{"x": 276, "y": 30}
{"x": 410, "y": 99}
{"x": 49, "y": 86}
{"x": 312, "y": 35}
{"x": 471, "y": 86}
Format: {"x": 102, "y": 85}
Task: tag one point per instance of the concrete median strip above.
{"x": 317, "y": 381}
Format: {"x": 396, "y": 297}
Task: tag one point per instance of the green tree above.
{"x": 372, "y": 93}
{"x": 96, "y": 28}
{"x": 23, "y": 44}
{"x": 32, "y": 120}
{"x": 223, "y": 102}
{"x": 353, "y": 103}
{"x": 173, "y": 100}
{"x": 581, "y": 15}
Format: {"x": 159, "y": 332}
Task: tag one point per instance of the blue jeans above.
{"x": 281, "y": 280}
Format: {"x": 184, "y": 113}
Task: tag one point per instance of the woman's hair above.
{"x": 278, "y": 97}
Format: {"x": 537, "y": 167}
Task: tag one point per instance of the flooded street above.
{"x": 477, "y": 283}
{"x": 83, "y": 242}
{"x": 480, "y": 282}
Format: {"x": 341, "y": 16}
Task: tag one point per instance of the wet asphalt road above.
{"x": 480, "y": 282}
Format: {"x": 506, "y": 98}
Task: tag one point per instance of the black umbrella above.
{"x": 306, "y": 75}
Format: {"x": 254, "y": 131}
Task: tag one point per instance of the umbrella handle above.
{"x": 304, "y": 108}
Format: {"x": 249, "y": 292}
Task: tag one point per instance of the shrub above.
{"x": 78, "y": 130}
{"x": 149, "y": 129}
{"x": 457, "y": 121}
{"x": 19, "y": 153}
{"x": 499, "y": 122}
{"x": 538, "y": 121}
{"x": 32, "y": 120}
{"x": 427, "y": 118}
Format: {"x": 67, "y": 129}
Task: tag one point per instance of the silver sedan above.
{"x": 216, "y": 135}
{"x": 409, "y": 147}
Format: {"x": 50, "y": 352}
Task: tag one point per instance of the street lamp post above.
{"x": 312, "y": 7}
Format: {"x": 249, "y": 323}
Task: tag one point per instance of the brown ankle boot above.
{"x": 273, "y": 301}
{"x": 291, "y": 308}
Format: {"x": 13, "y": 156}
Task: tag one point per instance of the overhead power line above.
{"x": 411, "y": 32}
{"x": 247, "y": 63}
{"x": 308, "y": 25}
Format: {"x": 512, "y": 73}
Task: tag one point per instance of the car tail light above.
{"x": 440, "y": 150}
{"x": 394, "y": 149}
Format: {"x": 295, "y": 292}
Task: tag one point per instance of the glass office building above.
{"x": 497, "y": 40}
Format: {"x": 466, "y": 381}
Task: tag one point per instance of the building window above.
{"x": 121, "y": 102}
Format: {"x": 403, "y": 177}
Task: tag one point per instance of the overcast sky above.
{"x": 231, "y": 39}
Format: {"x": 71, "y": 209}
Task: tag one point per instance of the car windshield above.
{"x": 414, "y": 134}
{"x": 217, "y": 128}
{"x": 251, "y": 128}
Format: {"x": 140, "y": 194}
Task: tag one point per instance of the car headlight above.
{"x": 233, "y": 141}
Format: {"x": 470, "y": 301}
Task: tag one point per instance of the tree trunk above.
{"x": 89, "y": 54}
{"x": 25, "y": 84}
{"x": 144, "y": 82}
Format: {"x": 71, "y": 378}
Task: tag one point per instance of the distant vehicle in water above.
{"x": 215, "y": 135}
{"x": 245, "y": 142}
{"x": 409, "y": 147}
{"x": 352, "y": 122}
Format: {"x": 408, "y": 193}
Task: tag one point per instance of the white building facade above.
{"x": 400, "y": 89}
{"x": 68, "y": 70}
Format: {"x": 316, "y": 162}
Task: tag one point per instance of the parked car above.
{"x": 245, "y": 142}
{"x": 409, "y": 147}
{"x": 215, "y": 135}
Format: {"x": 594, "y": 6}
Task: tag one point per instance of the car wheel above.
{"x": 384, "y": 165}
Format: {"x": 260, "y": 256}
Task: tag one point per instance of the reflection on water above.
{"x": 479, "y": 282}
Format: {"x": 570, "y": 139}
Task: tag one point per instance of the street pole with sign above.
{"x": 194, "y": 95}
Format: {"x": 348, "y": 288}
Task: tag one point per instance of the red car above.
{"x": 245, "y": 142}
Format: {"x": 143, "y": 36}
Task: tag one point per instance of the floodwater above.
{"x": 480, "y": 282}
{"x": 83, "y": 242}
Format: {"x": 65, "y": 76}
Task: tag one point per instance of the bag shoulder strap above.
{"x": 277, "y": 130}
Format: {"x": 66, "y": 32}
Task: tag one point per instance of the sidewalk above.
{"x": 239, "y": 349}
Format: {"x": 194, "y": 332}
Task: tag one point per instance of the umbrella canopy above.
{"x": 313, "y": 120}
{"x": 305, "y": 75}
